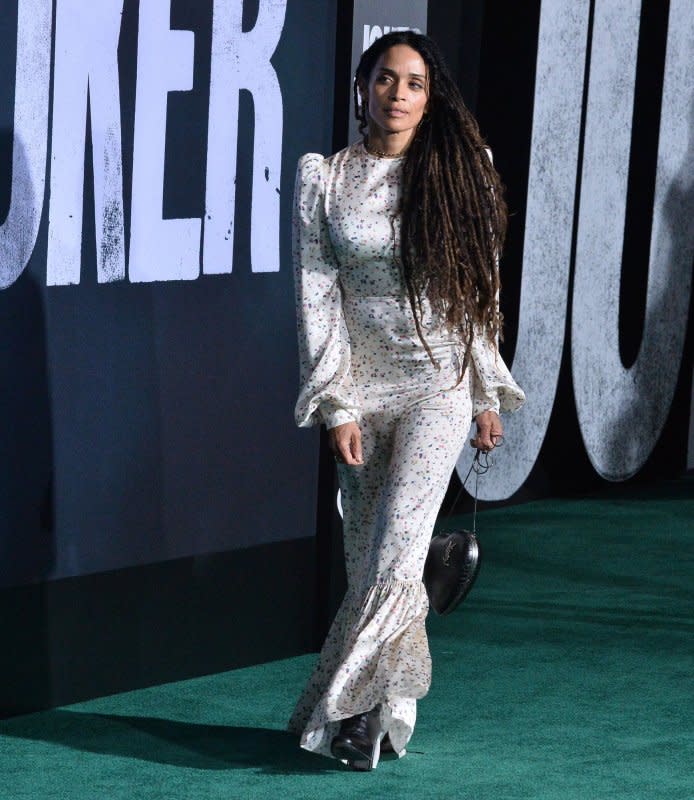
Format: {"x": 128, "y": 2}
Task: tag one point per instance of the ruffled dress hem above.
{"x": 376, "y": 653}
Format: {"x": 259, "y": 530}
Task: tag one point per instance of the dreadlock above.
{"x": 452, "y": 212}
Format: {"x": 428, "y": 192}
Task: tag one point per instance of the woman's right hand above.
{"x": 345, "y": 442}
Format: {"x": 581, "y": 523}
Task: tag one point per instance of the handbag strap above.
{"x": 481, "y": 464}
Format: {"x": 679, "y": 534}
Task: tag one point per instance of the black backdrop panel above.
{"x": 148, "y": 421}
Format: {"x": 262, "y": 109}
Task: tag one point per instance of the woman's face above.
{"x": 397, "y": 91}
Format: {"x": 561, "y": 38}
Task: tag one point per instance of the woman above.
{"x": 395, "y": 249}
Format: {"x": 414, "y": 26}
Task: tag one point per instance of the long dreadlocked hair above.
{"x": 452, "y": 211}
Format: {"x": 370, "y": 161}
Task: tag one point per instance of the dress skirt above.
{"x": 414, "y": 422}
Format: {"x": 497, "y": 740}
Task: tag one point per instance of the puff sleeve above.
{"x": 493, "y": 388}
{"x": 327, "y": 393}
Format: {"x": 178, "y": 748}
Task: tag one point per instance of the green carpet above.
{"x": 567, "y": 674}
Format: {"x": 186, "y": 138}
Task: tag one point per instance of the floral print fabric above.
{"x": 361, "y": 359}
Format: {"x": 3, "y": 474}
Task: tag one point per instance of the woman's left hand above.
{"x": 489, "y": 431}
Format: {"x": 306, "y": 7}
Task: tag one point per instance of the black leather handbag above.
{"x": 450, "y": 569}
{"x": 453, "y": 560}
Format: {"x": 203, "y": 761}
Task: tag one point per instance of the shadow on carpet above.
{"x": 179, "y": 744}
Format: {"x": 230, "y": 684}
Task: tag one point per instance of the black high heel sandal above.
{"x": 358, "y": 744}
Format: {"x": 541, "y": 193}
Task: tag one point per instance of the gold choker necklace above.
{"x": 381, "y": 153}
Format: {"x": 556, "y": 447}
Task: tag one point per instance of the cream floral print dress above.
{"x": 361, "y": 359}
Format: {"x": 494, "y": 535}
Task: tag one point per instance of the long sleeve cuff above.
{"x": 493, "y": 388}
{"x": 333, "y": 415}
{"x": 483, "y": 402}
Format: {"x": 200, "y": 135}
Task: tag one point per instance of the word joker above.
{"x": 373, "y": 32}
{"x": 85, "y": 77}
{"x": 621, "y": 411}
